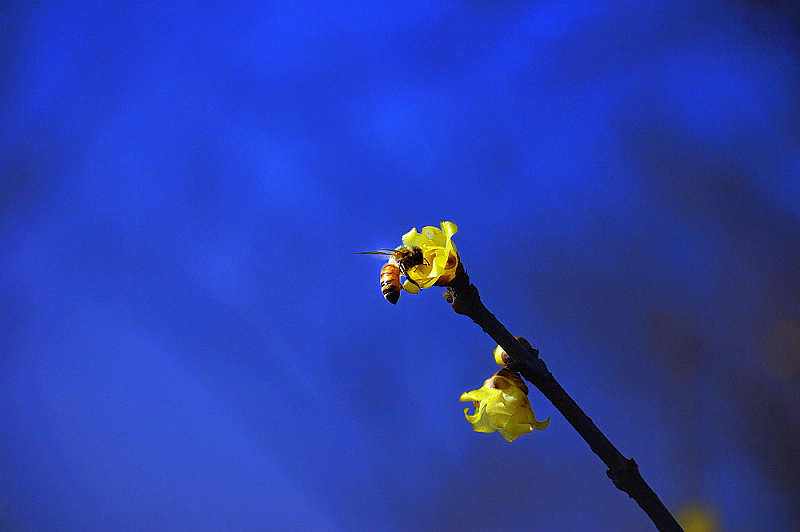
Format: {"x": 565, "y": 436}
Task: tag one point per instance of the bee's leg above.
{"x": 409, "y": 279}
{"x": 412, "y": 281}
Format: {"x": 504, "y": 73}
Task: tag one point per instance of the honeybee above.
{"x": 400, "y": 260}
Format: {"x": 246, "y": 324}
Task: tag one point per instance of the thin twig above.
{"x": 624, "y": 472}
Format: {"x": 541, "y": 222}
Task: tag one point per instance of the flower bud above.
{"x": 502, "y": 358}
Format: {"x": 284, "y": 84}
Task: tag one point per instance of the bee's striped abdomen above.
{"x": 390, "y": 282}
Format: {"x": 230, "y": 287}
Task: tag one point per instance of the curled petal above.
{"x": 449, "y": 229}
{"x": 480, "y": 421}
{"x": 413, "y": 239}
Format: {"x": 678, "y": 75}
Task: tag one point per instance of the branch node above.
{"x": 625, "y": 477}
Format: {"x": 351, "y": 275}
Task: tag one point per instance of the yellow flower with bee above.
{"x": 425, "y": 259}
{"x": 440, "y": 258}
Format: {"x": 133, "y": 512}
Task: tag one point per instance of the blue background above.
{"x": 189, "y": 343}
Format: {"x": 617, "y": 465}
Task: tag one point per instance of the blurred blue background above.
{"x": 189, "y": 343}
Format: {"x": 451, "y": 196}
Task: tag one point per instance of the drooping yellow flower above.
{"x": 439, "y": 252}
{"x": 502, "y": 404}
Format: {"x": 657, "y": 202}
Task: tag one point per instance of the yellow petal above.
{"x": 540, "y": 425}
{"x": 413, "y": 239}
{"x": 481, "y": 394}
{"x": 498, "y": 355}
{"x": 512, "y": 432}
{"x": 449, "y": 228}
{"x": 525, "y": 415}
{"x": 435, "y": 235}
{"x": 410, "y": 287}
{"x": 480, "y": 421}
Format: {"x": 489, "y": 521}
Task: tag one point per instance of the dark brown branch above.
{"x": 624, "y": 472}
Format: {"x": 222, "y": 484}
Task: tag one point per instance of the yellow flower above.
{"x": 502, "y": 404}
{"x": 439, "y": 252}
